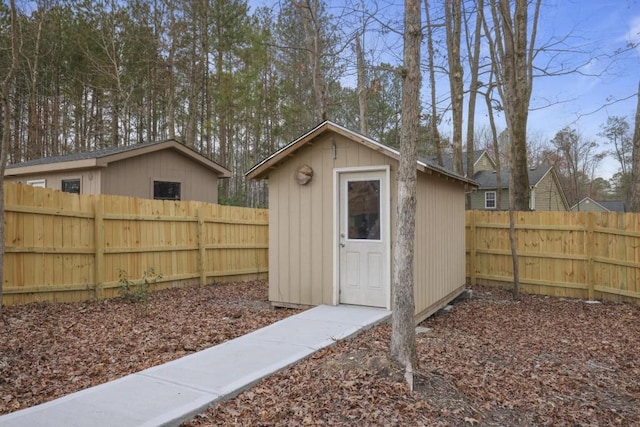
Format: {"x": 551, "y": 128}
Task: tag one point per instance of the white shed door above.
{"x": 363, "y": 241}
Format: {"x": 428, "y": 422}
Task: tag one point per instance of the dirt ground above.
{"x": 50, "y": 350}
{"x": 490, "y": 361}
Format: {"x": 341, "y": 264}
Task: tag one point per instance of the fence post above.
{"x": 472, "y": 247}
{"x": 202, "y": 248}
{"x": 590, "y": 255}
{"x": 98, "y": 226}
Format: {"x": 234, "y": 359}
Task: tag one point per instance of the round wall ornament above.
{"x": 303, "y": 174}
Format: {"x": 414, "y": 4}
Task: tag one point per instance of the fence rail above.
{"x": 64, "y": 247}
{"x": 573, "y": 254}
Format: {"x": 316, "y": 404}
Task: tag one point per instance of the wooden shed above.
{"x": 332, "y": 210}
{"x": 166, "y": 170}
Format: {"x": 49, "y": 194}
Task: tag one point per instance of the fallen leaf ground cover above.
{"x": 50, "y": 350}
{"x": 490, "y": 361}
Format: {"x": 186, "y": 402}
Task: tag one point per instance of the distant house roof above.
{"x": 488, "y": 179}
{"x": 101, "y": 158}
{"x": 261, "y": 169}
{"x": 605, "y": 205}
{"x": 447, "y": 160}
{"x": 613, "y": 205}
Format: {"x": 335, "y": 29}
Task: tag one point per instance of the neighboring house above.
{"x": 589, "y": 205}
{"x": 165, "y": 170}
{"x": 546, "y": 192}
{"x": 332, "y": 213}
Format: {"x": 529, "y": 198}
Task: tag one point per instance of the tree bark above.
{"x": 496, "y": 147}
{"x": 453, "y": 18}
{"x": 403, "y": 345}
{"x": 309, "y": 12}
{"x": 433, "y": 125}
{"x": 362, "y": 88}
{"x": 634, "y": 203}
{"x": 513, "y": 54}
{"x": 474, "y": 64}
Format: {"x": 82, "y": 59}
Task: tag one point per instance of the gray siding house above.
{"x": 546, "y": 192}
{"x": 589, "y": 205}
{"x": 165, "y": 170}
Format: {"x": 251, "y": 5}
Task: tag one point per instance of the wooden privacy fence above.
{"x": 574, "y": 254}
{"x": 65, "y": 247}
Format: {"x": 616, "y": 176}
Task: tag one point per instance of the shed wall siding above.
{"x": 301, "y": 219}
{"x": 89, "y": 179}
{"x": 134, "y": 176}
{"x": 440, "y": 240}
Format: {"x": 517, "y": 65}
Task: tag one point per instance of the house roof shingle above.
{"x": 447, "y": 160}
{"x": 489, "y": 179}
{"x": 103, "y": 156}
{"x": 95, "y": 154}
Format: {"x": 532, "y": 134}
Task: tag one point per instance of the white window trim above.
{"x": 494, "y": 200}
{"x": 40, "y": 183}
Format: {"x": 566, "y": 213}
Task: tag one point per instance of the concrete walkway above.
{"x": 176, "y": 391}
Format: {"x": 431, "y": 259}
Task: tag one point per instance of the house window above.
{"x": 164, "y": 190}
{"x": 71, "y": 186}
{"x": 364, "y": 209}
{"x": 41, "y": 183}
{"x": 490, "y": 200}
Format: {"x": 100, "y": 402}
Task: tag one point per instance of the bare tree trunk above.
{"x": 513, "y": 56}
{"x": 433, "y": 125}
{"x": 5, "y": 87}
{"x": 496, "y": 148}
{"x": 512, "y": 236}
{"x": 474, "y": 61}
{"x": 634, "y": 203}
{"x": 34, "y": 140}
{"x": 403, "y": 339}
{"x": 362, "y": 87}
{"x": 171, "y": 92}
{"x": 309, "y": 12}
{"x": 453, "y": 18}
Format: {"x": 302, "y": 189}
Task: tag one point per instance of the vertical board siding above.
{"x": 64, "y": 247}
{"x": 439, "y": 243}
{"x": 567, "y": 254}
{"x": 301, "y": 228}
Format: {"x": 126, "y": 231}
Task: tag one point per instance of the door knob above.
{"x": 342, "y": 244}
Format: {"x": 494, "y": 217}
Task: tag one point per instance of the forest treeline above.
{"x": 236, "y": 82}
{"x": 231, "y": 83}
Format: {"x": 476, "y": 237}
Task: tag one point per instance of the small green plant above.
{"x": 137, "y": 291}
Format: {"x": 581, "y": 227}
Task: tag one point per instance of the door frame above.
{"x": 385, "y": 231}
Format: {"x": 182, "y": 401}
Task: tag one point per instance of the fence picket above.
{"x": 573, "y": 254}
{"x": 66, "y": 248}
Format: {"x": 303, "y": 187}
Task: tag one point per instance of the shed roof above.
{"x": 261, "y": 170}
{"x": 101, "y": 158}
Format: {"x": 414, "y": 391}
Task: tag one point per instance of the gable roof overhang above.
{"x": 262, "y": 169}
{"x": 102, "y": 158}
